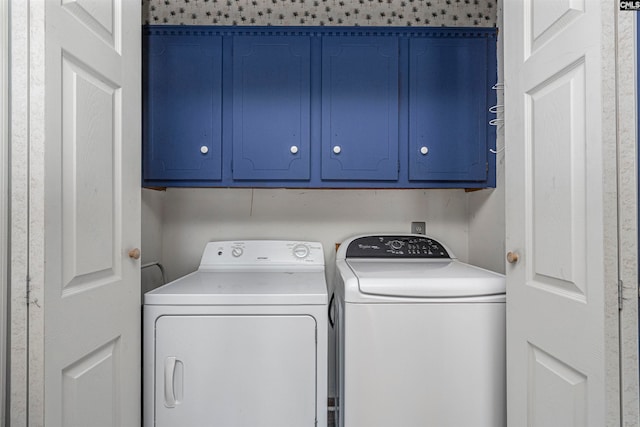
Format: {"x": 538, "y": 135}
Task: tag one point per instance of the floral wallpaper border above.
{"x": 454, "y": 13}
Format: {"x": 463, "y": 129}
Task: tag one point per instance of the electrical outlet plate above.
{"x": 418, "y": 227}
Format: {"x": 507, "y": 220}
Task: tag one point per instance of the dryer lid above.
{"x": 425, "y": 278}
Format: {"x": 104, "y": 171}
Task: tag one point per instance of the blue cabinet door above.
{"x": 271, "y": 107}
{"x": 182, "y": 108}
{"x": 318, "y": 107}
{"x": 360, "y": 108}
{"x": 448, "y": 109}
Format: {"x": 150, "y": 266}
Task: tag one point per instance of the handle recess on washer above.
{"x": 173, "y": 381}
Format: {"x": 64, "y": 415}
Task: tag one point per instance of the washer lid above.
{"x": 425, "y": 278}
{"x": 242, "y": 288}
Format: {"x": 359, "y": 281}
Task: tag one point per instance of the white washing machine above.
{"x": 240, "y": 342}
{"x": 420, "y": 336}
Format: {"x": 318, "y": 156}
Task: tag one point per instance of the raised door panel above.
{"x": 561, "y": 211}
{"x": 239, "y": 370}
{"x": 448, "y": 105}
{"x": 271, "y": 107}
{"x": 88, "y": 367}
{"x": 183, "y": 108}
{"x": 360, "y": 107}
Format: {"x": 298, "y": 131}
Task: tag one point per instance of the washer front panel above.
{"x": 422, "y": 364}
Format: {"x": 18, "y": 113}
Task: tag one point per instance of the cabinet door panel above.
{"x": 448, "y": 109}
{"x": 360, "y": 108}
{"x": 271, "y": 107}
{"x": 183, "y": 108}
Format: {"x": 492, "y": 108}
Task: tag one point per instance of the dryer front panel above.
{"x": 235, "y": 370}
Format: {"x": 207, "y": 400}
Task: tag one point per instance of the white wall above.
{"x": 628, "y": 213}
{"x": 152, "y": 211}
{"x": 20, "y": 84}
{"x": 152, "y": 234}
{"x": 4, "y": 200}
{"x": 486, "y": 225}
{"x": 192, "y": 217}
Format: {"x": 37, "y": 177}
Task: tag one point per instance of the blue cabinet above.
{"x": 360, "y": 108}
{"x": 271, "y": 107}
{"x": 318, "y": 107}
{"x": 182, "y": 109}
{"x": 448, "y": 104}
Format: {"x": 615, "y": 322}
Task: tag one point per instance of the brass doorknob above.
{"x": 134, "y": 253}
{"x": 512, "y": 257}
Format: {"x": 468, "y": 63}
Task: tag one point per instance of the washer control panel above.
{"x": 396, "y": 247}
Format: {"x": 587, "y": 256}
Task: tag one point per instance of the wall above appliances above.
{"x": 466, "y": 13}
{"x": 318, "y": 107}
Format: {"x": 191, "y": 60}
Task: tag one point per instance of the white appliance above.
{"x": 240, "y": 342}
{"x": 420, "y": 336}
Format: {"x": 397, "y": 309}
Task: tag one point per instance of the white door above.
{"x": 92, "y": 213}
{"x": 561, "y": 213}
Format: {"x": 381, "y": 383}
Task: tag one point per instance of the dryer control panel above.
{"x": 262, "y": 255}
{"x": 396, "y": 247}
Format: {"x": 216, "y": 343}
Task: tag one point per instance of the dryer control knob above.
{"x": 236, "y": 252}
{"x": 301, "y": 251}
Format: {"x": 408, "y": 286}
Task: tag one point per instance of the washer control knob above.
{"x": 396, "y": 244}
{"x": 237, "y": 252}
{"x": 301, "y": 251}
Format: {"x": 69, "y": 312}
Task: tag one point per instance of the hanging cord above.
{"x": 157, "y": 264}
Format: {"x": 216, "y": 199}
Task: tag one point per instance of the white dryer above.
{"x": 420, "y": 336}
{"x": 240, "y": 342}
